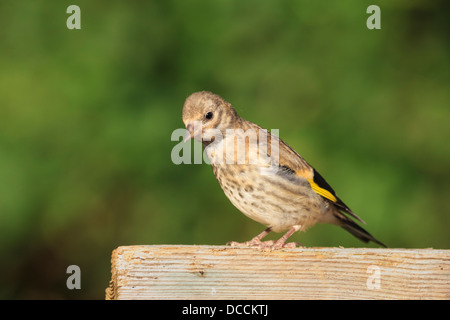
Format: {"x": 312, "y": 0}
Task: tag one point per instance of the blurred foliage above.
{"x": 86, "y": 118}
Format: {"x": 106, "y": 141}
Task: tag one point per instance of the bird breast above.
{"x": 268, "y": 197}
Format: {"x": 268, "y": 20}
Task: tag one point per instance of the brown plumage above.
{"x": 263, "y": 176}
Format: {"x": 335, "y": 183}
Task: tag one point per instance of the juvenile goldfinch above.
{"x": 262, "y": 176}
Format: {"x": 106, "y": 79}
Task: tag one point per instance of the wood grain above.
{"x": 219, "y": 272}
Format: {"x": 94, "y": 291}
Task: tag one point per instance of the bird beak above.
{"x": 194, "y": 130}
{"x": 189, "y": 132}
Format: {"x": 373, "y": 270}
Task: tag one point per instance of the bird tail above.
{"x": 356, "y": 230}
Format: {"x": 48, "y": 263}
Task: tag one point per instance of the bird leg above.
{"x": 256, "y": 241}
{"x": 281, "y": 243}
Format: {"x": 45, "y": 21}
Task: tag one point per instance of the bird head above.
{"x": 205, "y": 114}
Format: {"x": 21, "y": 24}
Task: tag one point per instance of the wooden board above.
{"x": 222, "y": 272}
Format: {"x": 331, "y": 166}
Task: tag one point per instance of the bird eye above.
{"x": 209, "y": 116}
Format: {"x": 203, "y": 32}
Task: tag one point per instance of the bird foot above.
{"x": 270, "y": 244}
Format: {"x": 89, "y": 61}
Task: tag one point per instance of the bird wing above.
{"x": 321, "y": 187}
{"x": 292, "y": 163}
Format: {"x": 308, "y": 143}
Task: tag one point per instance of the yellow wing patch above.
{"x": 323, "y": 192}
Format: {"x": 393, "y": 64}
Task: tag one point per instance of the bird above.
{"x": 262, "y": 176}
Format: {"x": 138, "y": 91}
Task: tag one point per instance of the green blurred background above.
{"x": 86, "y": 118}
